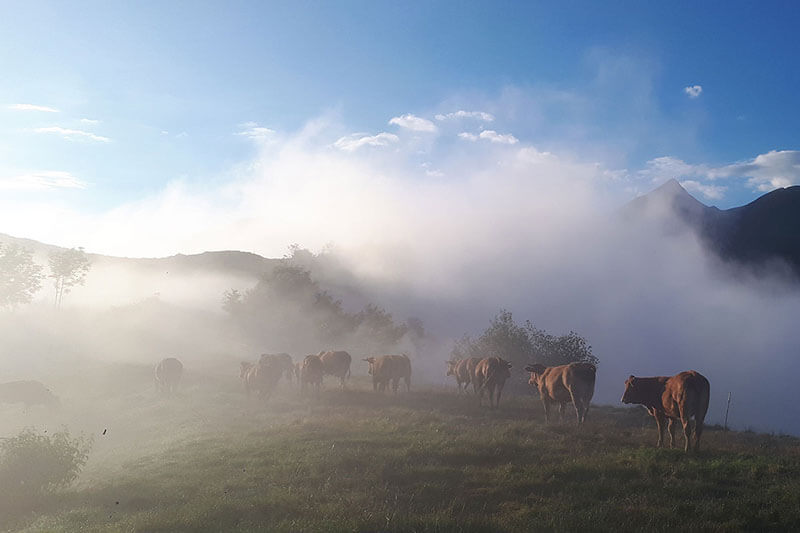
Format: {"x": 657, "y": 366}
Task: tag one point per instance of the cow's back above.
{"x": 26, "y": 392}
{"x": 462, "y": 370}
{"x": 169, "y": 370}
{"x": 336, "y": 363}
{"x": 580, "y": 379}
{"x": 689, "y": 391}
{"x": 312, "y": 369}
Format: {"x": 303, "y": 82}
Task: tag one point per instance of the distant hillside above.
{"x": 228, "y": 261}
{"x": 765, "y": 230}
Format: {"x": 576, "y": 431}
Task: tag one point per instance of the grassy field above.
{"x": 206, "y": 460}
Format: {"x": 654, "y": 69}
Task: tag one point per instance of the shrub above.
{"x": 33, "y": 464}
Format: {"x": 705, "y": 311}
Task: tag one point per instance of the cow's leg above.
{"x": 687, "y": 428}
{"x": 407, "y": 379}
{"x": 578, "y": 406}
{"x": 492, "y": 398}
{"x": 660, "y": 425}
{"x": 698, "y": 430}
{"x": 671, "y": 426}
{"x": 499, "y": 392}
{"x": 562, "y": 407}
{"x": 546, "y": 404}
{"x": 395, "y": 385}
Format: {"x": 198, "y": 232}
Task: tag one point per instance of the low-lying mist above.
{"x": 449, "y": 232}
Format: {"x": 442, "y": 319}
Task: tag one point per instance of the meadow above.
{"x": 207, "y": 460}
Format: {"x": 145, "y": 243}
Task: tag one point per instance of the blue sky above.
{"x": 106, "y": 105}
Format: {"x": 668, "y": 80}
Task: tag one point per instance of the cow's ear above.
{"x": 631, "y": 377}
{"x": 529, "y": 368}
{"x": 508, "y": 365}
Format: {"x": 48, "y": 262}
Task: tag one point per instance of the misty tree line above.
{"x": 21, "y": 277}
{"x": 287, "y": 310}
{"x": 523, "y": 344}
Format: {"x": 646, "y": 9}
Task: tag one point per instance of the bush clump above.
{"x": 34, "y": 464}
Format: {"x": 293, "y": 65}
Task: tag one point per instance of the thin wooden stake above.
{"x": 728, "y": 408}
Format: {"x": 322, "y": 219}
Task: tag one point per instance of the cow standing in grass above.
{"x": 284, "y": 362}
{"x": 261, "y": 377}
{"x": 336, "y": 363}
{"x": 562, "y": 384}
{"x": 386, "y": 368}
{"x": 311, "y": 373}
{"x": 681, "y": 397}
{"x": 460, "y": 369}
{"x": 28, "y": 393}
{"x": 167, "y": 375}
{"x": 490, "y": 375}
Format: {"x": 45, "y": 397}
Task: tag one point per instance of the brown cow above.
{"x": 28, "y": 393}
{"x": 336, "y": 363}
{"x": 311, "y": 373}
{"x": 298, "y": 369}
{"x": 679, "y": 397}
{"x": 385, "y": 368}
{"x": 167, "y": 375}
{"x": 472, "y": 364}
{"x": 261, "y": 377}
{"x": 284, "y": 361}
{"x": 566, "y": 383}
{"x": 461, "y": 371}
{"x": 491, "y": 374}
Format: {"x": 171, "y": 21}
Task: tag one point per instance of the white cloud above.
{"x": 693, "y": 91}
{"x": 32, "y": 107}
{"x": 413, "y": 123}
{"x": 775, "y": 169}
{"x": 490, "y": 135}
{"x": 355, "y": 141}
{"x": 72, "y": 134}
{"x": 460, "y": 114}
{"x": 711, "y": 192}
{"x": 90, "y": 121}
{"x": 256, "y": 133}
{"x": 42, "y": 180}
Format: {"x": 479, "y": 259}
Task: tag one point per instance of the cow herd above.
{"x": 680, "y": 398}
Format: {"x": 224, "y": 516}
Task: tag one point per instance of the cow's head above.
{"x": 536, "y": 371}
{"x": 451, "y": 367}
{"x": 371, "y": 361}
{"x": 632, "y": 393}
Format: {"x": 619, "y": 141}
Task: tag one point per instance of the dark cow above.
{"x": 336, "y": 363}
{"x": 28, "y": 393}
{"x": 562, "y": 384}
{"x": 491, "y": 374}
{"x": 311, "y": 373}
{"x": 284, "y": 361}
{"x": 385, "y": 368}
{"x": 261, "y": 377}
{"x": 167, "y": 375}
{"x": 679, "y": 397}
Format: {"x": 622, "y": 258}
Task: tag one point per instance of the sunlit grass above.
{"x": 427, "y": 461}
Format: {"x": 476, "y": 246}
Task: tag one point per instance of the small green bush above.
{"x": 33, "y": 464}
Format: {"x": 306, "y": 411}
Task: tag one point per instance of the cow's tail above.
{"x": 348, "y": 372}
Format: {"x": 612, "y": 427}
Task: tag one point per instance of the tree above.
{"x": 524, "y": 344}
{"x": 20, "y": 276}
{"x": 68, "y": 268}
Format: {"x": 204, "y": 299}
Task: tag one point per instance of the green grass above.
{"x": 427, "y": 461}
